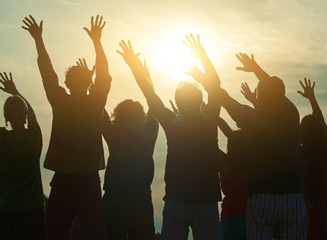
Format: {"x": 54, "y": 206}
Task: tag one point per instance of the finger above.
{"x": 25, "y": 28}
{"x": 33, "y": 20}
{"x": 192, "y": 37}
{"x": 198, "y": 38}
{"x": 26, "y": 23}
{"x": 240, "y": 68}
{"x": 313, "y": 85}
{"x": 85, "y": 65}
{"x": 306, "y": 82}
{"x": 100, "y": 21}
{"x": 41, "y": 24}
{"x": 120, "y": 52}
{"x": 301, "y": 93}
{"x": 124, "y": 44}
{"x": 7, "y": 79}
{"x": 188, "y": 40}
{"x": 302, "y": 84}
{"x": 130, "y": 45}
{"x": 186, "y": 44}
{"x": 2, "y": 78}
{"x": 3, "y": 89}
{"x": 92, "y": 21}
{"x": 243, "y": 93}
{"x": 78, "y": 64}
{"x": 104, "y": 24}
{"x": 247, "y": 86}
{"x": 28, "y": 20}
{"x": 239, "y": 58}
{"x": 252, "y": 57}
{"x": 137, "y": 54}
{"x": 10, "y": 75}
{"x": 309, "y": 83}
{"x": 96, "y": 20}
{"x": 87, "y": 30}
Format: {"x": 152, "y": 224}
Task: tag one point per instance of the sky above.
{"x": 287, "y": 38}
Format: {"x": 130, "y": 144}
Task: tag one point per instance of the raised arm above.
{"x": 250, "y": 65}
{"x": 198, "y": 51}
{"x": 143, "y": 80}
{"x": 101, "y": 62}
{"x": 308, "y": 93}
{"x": 48, "y": 74}
{"x": 9, "y": 87}
{"x": 224, "y": 127}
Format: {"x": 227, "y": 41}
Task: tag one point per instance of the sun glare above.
{"x": 173, "y": 58}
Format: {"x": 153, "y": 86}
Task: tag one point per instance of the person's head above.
{"x": 15, "y": 111}
{"x": 271, "y": 93}
{"x": 127, "y": 112}
{"x": 236, "y": 149}
{"x": 313, "y": 132}
{"x": 188, "y": 98}
{"x": 78, "y": 79}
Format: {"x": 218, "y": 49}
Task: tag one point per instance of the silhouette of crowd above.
{"x": 273, "y": 176}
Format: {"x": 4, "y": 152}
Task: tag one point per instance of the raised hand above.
{"x": 308, "y": 89}
{"x": 8, "y": 84}
{"x": 249, "y": 64}
{"x": 96, "y": 28}
{"x": 247, "y": 93}
{"x": 82, "y": 63}
{"x": 194, "y": 45}
{"x": 128, "y": 54}
{"x": 199, "y": 76}
{"x": 32, "y": 27}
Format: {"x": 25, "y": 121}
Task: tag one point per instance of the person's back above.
{"x": 191, "y": 174}
{"x": 76, "y": 142}
{"x": 21, "y": 193}
{"x": 273, "y": 151}
{"x": 131, "y": 136}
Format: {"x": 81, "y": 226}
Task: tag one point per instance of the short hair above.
{"x": 126, "y": 112}
{"x": 14, "y": 107}
{"x": 313, "y": 133}
{"x": 271, "y": 92}
{"x": 188, "y": 93}
{"x": 78, "y": 77}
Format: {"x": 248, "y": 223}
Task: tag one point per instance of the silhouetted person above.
{"x": 75, "y": 150}
{"x": 191, "y": 176}
{"x": 314, "y": 165}
{"x": 21, "y": 193}
{"x": 275, "y": 207}
{"x": 131, "y": 135}
{"x": 233, "y": 184}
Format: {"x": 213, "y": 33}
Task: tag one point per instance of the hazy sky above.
{"x": 287, "y": 38}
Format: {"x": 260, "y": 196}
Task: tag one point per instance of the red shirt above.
{"x": 233, "y": 186}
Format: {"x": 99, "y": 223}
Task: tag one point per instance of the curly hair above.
{"x": 127, "y": 111}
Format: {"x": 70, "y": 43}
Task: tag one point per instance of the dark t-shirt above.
{"x": 130, "y": 168}
{"x": 191, "y": 174}
{"x": 273, "y": 143}
{"x": 20, "y": 177}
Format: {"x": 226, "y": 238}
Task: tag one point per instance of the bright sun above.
{"x": 173, "y": 57}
